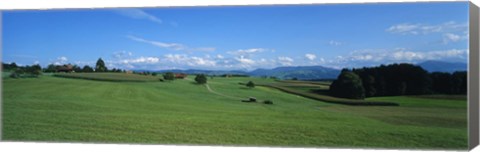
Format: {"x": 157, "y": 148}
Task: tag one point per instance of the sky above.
{"x": 239, "y": 37}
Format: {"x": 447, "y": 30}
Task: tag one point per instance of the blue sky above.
{"x": 239, "y": 37}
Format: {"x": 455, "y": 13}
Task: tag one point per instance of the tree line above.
{"x": 99, "y": 67}
{"x": 22, "y": 71}
{"x": 395, "y": 80}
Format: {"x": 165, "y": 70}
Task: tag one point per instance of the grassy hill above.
{"x": 181, "y": 112}
{"x": 117, "y": 77}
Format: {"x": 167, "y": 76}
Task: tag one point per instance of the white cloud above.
{"x": 401, "y": 54}
{"x": 335, "y": 43}
{"x": 285, "y": 61}
{"x": 246, "y": 52}
{"x": 122, "y": 54}
{"x": 171, "y": 46}
{"x": 375, "y": 57}
{"x": 194, "y": 61}
{"x": 407, "y": 56}
{"x": 182, "y": 59}
{"x": 245, "y": 61}
{"x": 60, "y": 60}
{"x": 404, "y": 28}
{"x": 414, "y": 29}
{"x": 139, "y": 14}
{"x": 310, "y": 56}
{"x": 220, "y": 56}
{"x": 450, "y": 37}
{"x": 147, "y": 60}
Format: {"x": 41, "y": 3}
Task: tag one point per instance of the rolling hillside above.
{"x": 181, "y": 112}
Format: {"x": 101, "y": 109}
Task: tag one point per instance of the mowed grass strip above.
{"x": 308, "y": 94}
{"x": 182, "y": 112}
{"x": 115, "y": 77}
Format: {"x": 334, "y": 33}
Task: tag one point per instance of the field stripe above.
{"x": 220, "y": 94}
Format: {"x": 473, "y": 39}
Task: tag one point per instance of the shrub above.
{"x": 348, "y": 85}
{"x": 14, "y": 75}
{"x": 267, "y": 102}
{"x": 169, "y": 76}
{"x": 201, "y": 79}
{"x": 250, "y": 84}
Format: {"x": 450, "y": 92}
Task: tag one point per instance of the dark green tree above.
{"x": 250, "y": 84}
{"x": 87, "y": 68}
{"x": 169, "y": 76}
{"x": 459, "y": 82}
{"x": 201, "y": 79}
{"x": 348, "y": 85}
{"x": 51, "y": 68}
{"x": 76, "y": 68}
{"x": 100, "y": 66}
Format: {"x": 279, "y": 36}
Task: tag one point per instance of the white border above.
{"x": 56, "y": 4}
{"x": 80, "y": 147}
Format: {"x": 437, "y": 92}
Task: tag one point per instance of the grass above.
{"x": 181, "y": 112}
{"x": 115, "y": 77}
{"x": 317, "y": 91}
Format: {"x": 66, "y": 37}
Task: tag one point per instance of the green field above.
{"x": 115, "y": 77}
{"x": 181, "y": 112}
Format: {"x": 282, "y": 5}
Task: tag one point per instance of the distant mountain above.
{"x": 441, "y": 66}
{"x": 299, "y": 72}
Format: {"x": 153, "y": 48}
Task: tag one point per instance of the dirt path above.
{"x": 217, "y": 93}
{"x": 220, "y": 94}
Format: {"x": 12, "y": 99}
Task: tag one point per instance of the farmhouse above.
{"x": 65, "y": 68}
{"x": 180, "y": 75}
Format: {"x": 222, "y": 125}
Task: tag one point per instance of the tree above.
{"x": 154, "y": 74}
{"x": 348, "y": 85}
{"x": 250, "y": 84}
{"x": 201, "y": 79}
{"x": 100, "y": 66}
{"x": 13, "y": 65}
{"x": 369, "y": 85}
{"x": 9, "y": 67}
{"x": 169, "y": 76}
{"x": 35, "y": 70}
{"x": 87, "y": 68}
{"x": 459, "y": 82}
{"x": 395, "y": 79}
{"x": 442, "y": 82}
{"x": 51, "y": 68}
{"x": 77, "y": 68}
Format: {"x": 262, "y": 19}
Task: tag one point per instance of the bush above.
{"x": 267, "y": 102}
{"x": 250, "y": 84}
{"x": 201, "y": 79}
{"x": 348, "y": 85}
{"x": 14, "y": 75}
{"x": 169, "y": 76}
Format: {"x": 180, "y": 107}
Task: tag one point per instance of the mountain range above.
{"x": 442, "y": 66}
{"x": 315, "y": 72}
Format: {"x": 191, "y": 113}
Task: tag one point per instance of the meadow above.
{"x": 57, "y": 109}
